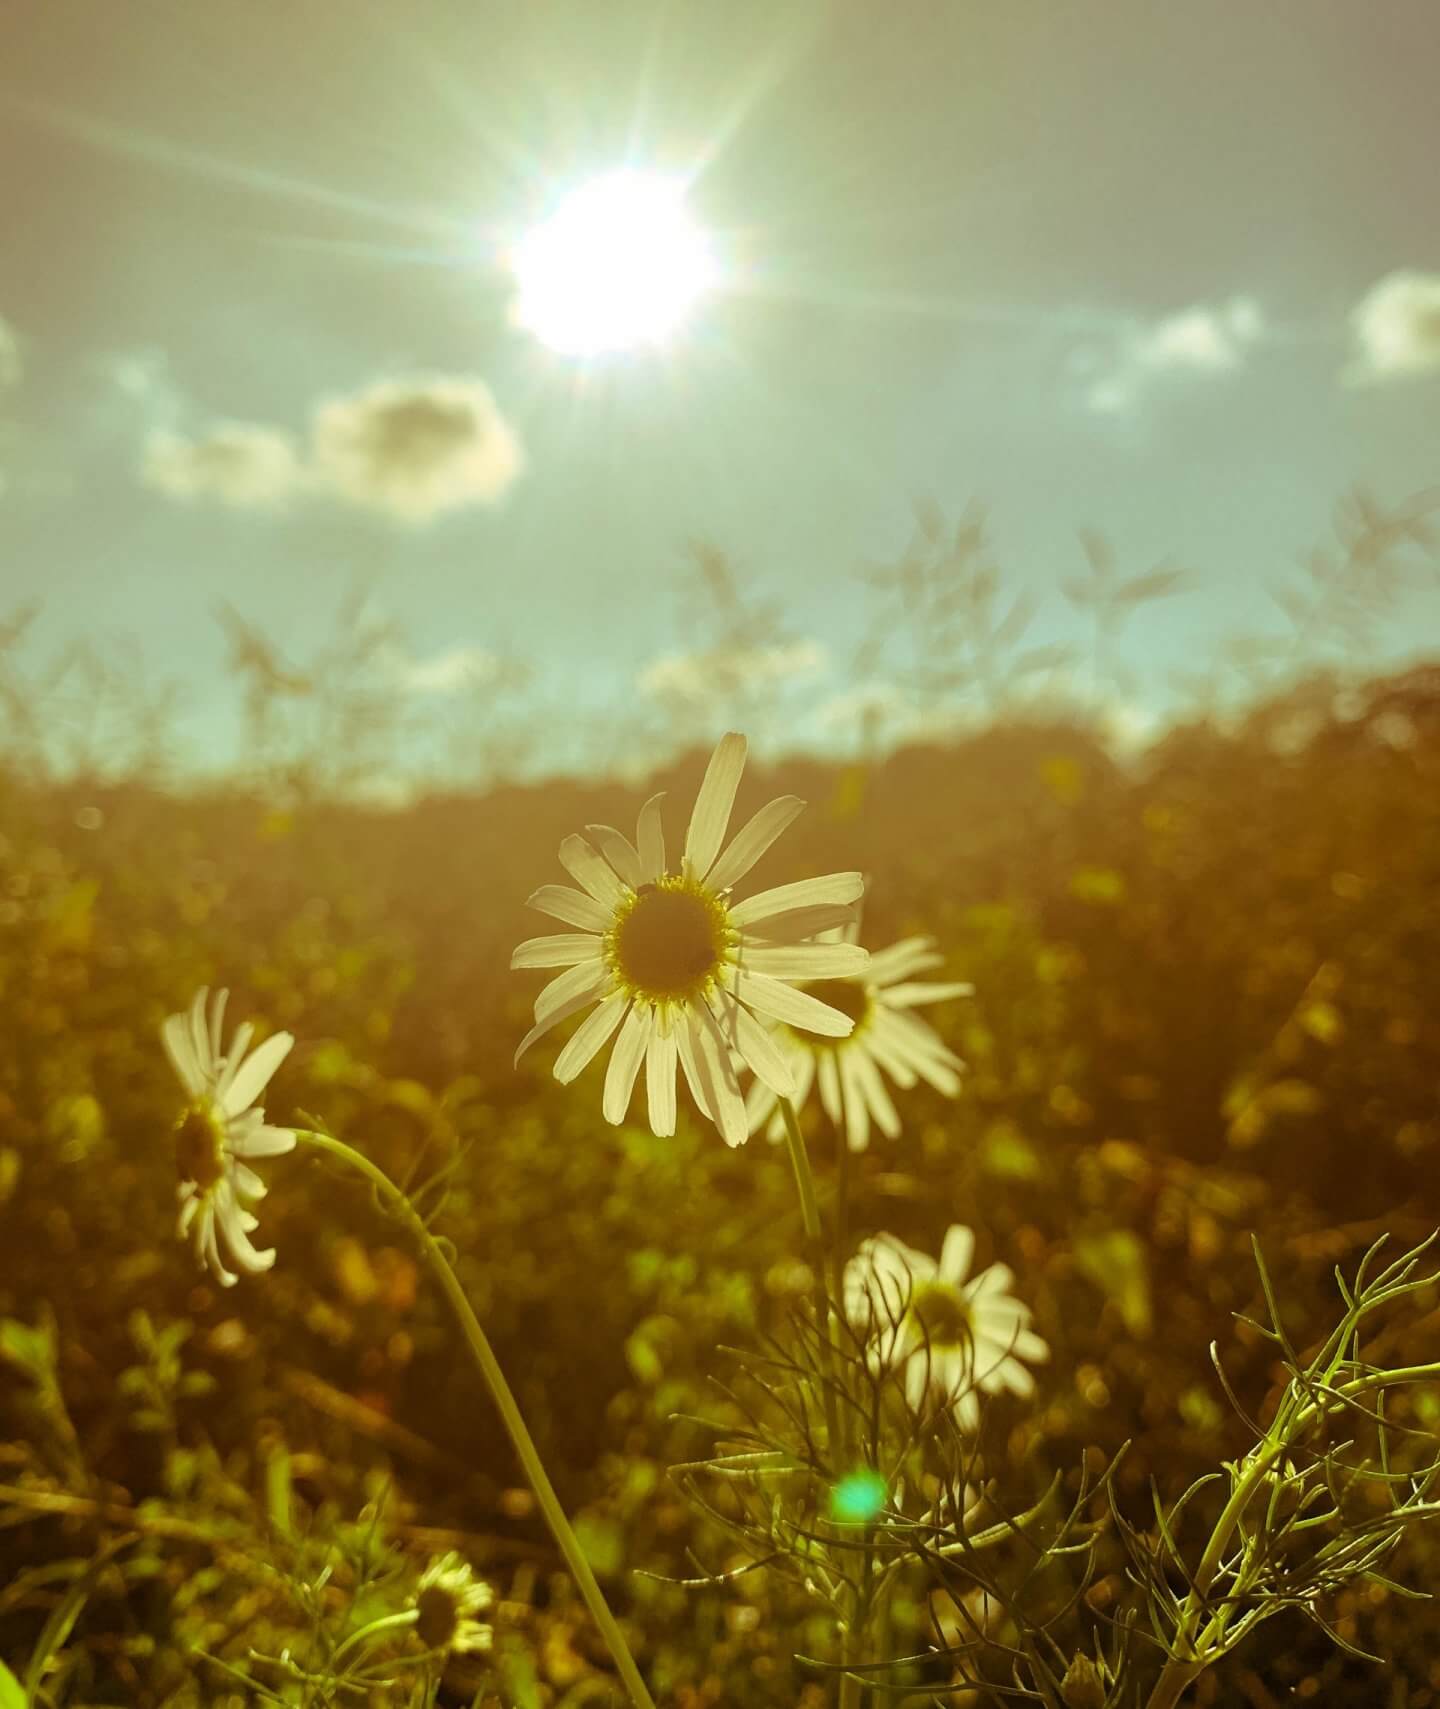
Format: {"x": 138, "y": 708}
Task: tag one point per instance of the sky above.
{"x": 1167, "y": 272}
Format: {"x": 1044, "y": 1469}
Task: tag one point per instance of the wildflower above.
{"x": 219, "y": 1129}
{"x": 447, "y": 1599}
{"x": 887, "y": 1039}
{"x": 679, "y": 967}
{"x": 950, "y": 1336}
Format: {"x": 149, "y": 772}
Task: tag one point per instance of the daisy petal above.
{"x": 857, "y": 1110}
{"x": 592, "y": 873}
{"x": 589, "y": 1036}
{"x": 572, "y": 906}
{"x": 217, "y": 1023}
{"x": 625, "y": 1062}
{"x": 797, "y": 924}
{"x": 200, "y": 1031}
{"x": 650, "y": 840}
{"x": 237, "y": 1240}
{"x": 264, "y": 1142}
{"x": 834, "y": 888}
{"x": 784, "y": 1003}
{"x": 711, "y": 815}
{"x": 560, "y": 1010}
{"x": 587, "y": 980}
{"x": 565, "y": 949}
{"x": 876, "y": 1094}
{"x": 808, "y": 961}
{"x": 226, "y": 1069}
{"x": 920, "y": 991}
{"x": 756, "y": 1046}
{"x": 830, "y": 1100}
{"x": 957, "y": 1252}
{"x": 620, "y": 852}
{"x": 694, "y": 1079}
{"x": 660, "y": 1056}
{"x": 900, "y": 960}
{"x": 253, "y": 1075}
{"x": 179, "y": 1045}
{"x": 722, "y": 1090}
{"x": 752, "y": 840}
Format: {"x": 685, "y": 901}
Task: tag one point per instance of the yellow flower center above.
{"x": 942, "y": 1314}
{"x": 199, "y": 1147}
{"x": 671, "y": 940}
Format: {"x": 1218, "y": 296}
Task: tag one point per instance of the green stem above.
{"x": 815, "y": 1235}
{"x": 386, "y": 1623}
{"x": 525, "y": 1449}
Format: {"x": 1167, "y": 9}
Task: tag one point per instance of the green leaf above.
{"x": 11, "y": 1696}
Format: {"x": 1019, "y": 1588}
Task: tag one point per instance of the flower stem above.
{"x": 810, "y": 1216}
{"x": 524, "y": 1444}
{"x": 385, "y": 1623}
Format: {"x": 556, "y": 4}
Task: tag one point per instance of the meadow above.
{"x": 1204, "y": 1010}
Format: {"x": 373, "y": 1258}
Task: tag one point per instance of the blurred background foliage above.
{"x": 1205, "y": 1004}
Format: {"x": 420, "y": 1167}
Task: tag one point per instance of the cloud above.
{"x": 449, "y": 671}
{"x": 718, "y": 672}
{"x": 1396, "y": 328}
{"x": 240, "y": 464}
{"x": 1198, "y": 341}
{"x": 416, "y": 449}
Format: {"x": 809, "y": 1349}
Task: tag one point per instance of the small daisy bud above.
{"x": 1083, "y": 1686}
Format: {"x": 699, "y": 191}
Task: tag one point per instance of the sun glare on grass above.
{"x": 619, "y": 264}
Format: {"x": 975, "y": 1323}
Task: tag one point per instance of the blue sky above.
{"x": 1170, "y": 273}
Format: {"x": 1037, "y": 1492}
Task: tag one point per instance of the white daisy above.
{"x": 888, "y": 1039}
{"x": 679, "y": 967}
{"x": 221, "y": 1127}
{"x": 950, "y": 1336}
{"x": 447, "y": 1599}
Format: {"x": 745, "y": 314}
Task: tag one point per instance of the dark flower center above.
{"x": 942, "y": 1314}
{"x": 670, "y": 942}
{"x": 842, "y": 994}
{"x": 437, "y": 1617}
{"x": 198, "y": 1155}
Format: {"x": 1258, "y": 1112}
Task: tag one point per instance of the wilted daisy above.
{"x": 447, "y": 1599}
{"x": 220, "y": 1128}
{"x": 679, "y": 967}
{"x": 888, "y": 1039}
{"x": 952, "y": 1336}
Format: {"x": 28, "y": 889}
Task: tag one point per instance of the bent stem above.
{"x": 484, "y": 1355}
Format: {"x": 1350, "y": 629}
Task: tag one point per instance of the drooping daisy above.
{"x": 447, "y": 1599}
{"x": 219, "y": 1129}
{"x": 888, "y": 1039}
{"x": 951, "y": 1336}
{"x": 678, "y": 966}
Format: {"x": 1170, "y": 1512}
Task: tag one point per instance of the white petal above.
{"x": 577, "y": 999}
{"x": 564, "y": 949}
{"x": 900, "y": 960}
{"x": 828, "y": 1075}
{"x": 785, "y": 1003}
{"x": 722, "y": 1089}
{"x": 760, "y": 1104}
{"x": 588, "y": 1037}
{"x": 711, "y": 814}
{"x": 831, "y": 889}
{"x": 238, "y": 1241}
{"x": 217, "y": 1022}
{"x": 752, "y": 840}
{"x": 650, "y": 839}
{"x": 253, "y": 1075}
{"x": 920, "y": 991}
{"x": 200, "y": 1032}
{"x": 957, "y": 1252}
{"x": 807, "y": 961}
{"x": 587, "y": 980}
{"x": 226, "y": 1069}
{"x": 660, "y": 1058}
{"x": 248, "y": 1182}
{"x": 625, "y": 1062}
{"x": 591, "y": 872}
{"x": 180, "y": 1048}
{"x": 620, "y": 852}
{"x": 208, "y": 1246}
{"x": 755, "y": 1046}
{"x": 795, "y": 925}
{"x": 895, "y": 1066}
{"x": 685, "y": 1049}
{"x": 572, "y": 906}
{"x": 857, "y": 1110}
{"x": 263, "y": 1142}
{"x": 873, "y": 1088}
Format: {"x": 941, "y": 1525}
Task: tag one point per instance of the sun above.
{"x": 619, "y": 264}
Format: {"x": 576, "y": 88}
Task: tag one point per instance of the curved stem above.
{"x": 504, "y": 1399}
{"x": 810, "y": 1216}
{"x": 385, "y": 1623}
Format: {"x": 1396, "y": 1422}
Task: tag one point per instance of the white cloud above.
{"x": 240, "y": 464}
{"x": 416, "y": 448}
{"x": 719, "y": 672}
{"x": 9, "y": 356}
{"x": 412, "y": 449}
{"x": 449, "y": 671}
{"x": 1396, "y": 328}
{"x": 1199, "y": 341}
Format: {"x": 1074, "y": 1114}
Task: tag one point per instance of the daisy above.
{"x": 950, "y": 1336}
{"x": 678, "y": 967}
{"x": 221, "y": 1127}
{"x": 888, "y": 1039}
{"x": 447, "y": 1599}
